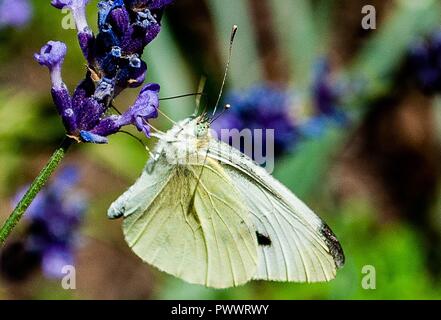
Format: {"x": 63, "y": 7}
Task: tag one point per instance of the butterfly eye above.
{"x": 201, "y": 129}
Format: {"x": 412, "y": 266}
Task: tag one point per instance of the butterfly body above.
{"x": 206, "y": 213}
{"x": 184, "y": 143}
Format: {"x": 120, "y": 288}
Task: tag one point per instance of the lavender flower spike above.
{"x": 15, "y": 13}
{"x": 78, "y": 8}
{"x": 152, "y": 4}
{"x": 144, "y": 108}
{"x": 114, "y": 64}
{"x": 85, "y": 35}
{"x": 52, "y": 235}
{"x": 52, "y": 56}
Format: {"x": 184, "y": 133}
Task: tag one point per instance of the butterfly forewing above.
{"x": 197, "y": 228}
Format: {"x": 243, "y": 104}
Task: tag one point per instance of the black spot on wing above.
{"x": 118, "y": 213}
{"x": 333, "y": 245}
{"x": 263, "y": 240}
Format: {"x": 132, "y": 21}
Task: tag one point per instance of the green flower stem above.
{"x": 34, "y": 189}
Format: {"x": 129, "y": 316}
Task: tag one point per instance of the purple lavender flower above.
{"x": 114, "y": 64}
{"x": 144, "y": 108}
{"x": 15, "y": 13}
{"x": 261, "y": 107}
{"x": 54, "y": 259}
{"x": 153, "y": 4}
{"x": 52, "y": 233}
{"x": 326, "y": 98}
{"x": 268, "y": 106}
{"x": 325, "y": 94}
{"x": 424, "y": 63}
{"x": 52, "y": 56}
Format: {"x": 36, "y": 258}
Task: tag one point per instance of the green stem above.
{"x": 34, "y": 189}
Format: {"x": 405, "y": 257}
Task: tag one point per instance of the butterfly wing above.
{"x": 294, "y": 243}
{"x": 193, "y": 225}
{"x": 141, "y": 194}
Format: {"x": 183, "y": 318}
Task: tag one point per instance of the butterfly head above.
{"x": 191, "y": 131}
{"x": 202, "y": 126}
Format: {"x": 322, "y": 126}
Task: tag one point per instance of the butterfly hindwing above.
{"x": 294, "y": 243}
{"x": 196, "y": 228}
{"x": 141, "y": 194}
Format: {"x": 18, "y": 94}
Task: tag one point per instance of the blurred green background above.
{"x": 384, "y": 208}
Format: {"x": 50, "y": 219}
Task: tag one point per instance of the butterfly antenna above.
{"x": 162, "y": 113}
{"x": 201, "y": 88}
{"x": 226, "y": 107}
{"x": 230, "y": 52}
{"x": 139, "y": 140}
{"x": 166, "y": 116}
{"x": 151, "y": 126}
{"x": 169, "y": 119}
{"x": 197, "y": 94}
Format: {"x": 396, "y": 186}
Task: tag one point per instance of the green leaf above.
{"x": 245, "y": 68}
{"x": 298, "y": 34}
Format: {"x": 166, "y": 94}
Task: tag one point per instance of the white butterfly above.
{"x": 204, "y": 212}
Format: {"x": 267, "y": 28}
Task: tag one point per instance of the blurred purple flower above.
{"x": 265, "y": 106}
{"x": 114, "y": 64}
{"x": 424, "y": 63}
{"x": 50, "y": 239}
{"x": 325, "y": 94}
{"x": 268, "y": 106}
{"x": 55, "y": 259}
{"x": 15, "y": 13}
{"x": 145, "y": 108}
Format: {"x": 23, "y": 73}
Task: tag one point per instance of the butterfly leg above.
{"x": 154, "y": 158}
